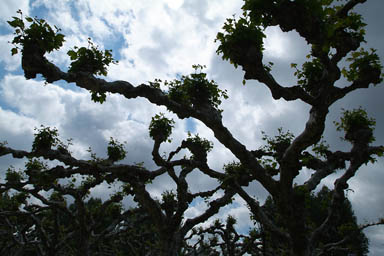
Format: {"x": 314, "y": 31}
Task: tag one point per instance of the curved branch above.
{"x": 35, "y": 64}
{"x": 360, "y": 154}
{"x": 371, "y": 76}
{"x": 260, "y": 215}
{"x": 322, "y": 169}
{"x": 314, "y": 128}
{"x": 214, "y": 207}
{"x": 287, "y": 93}
{"x": 343, "y": 12}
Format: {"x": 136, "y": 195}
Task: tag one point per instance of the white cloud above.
{"x": 10, "y": 62}
{"x": 33, "y": 100}
{"x": 9, "y": 8}
{"x": 14, "y": 125}
{"x": 277, "y": 43}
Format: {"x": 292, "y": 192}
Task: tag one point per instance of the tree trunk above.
{"x": 84, "y": 245}
{"x": 170, "y": 245}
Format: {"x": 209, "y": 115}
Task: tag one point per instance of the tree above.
{"x": 165, "y": 215}
{"x": 223, "y": 239}
{"x": 335, "y": 34}
{"x": 344, "y": 225}
{"x": 55, "y": 231}
{"x": 260, "y": 241}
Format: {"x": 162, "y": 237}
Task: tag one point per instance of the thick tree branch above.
{"x": 290, "y": 164}
{"x": 343, "y": 12}
{"x": 36, "y": 64}
{"x": 287, "y": 93}
{"x": 335, "y": 160}
{"x": 370, "y": 76}
{"x": 120, "y": 171}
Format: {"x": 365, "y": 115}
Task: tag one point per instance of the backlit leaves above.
{"x": 196, "y": 90}
{"x": 160, "y": 127}
{"x": 115, "y": 150}
{"x": 90, "y": 59}
{"x": 353, "y": 121}
{"x": 38, "y": 34}
{"x": 363, "y": 63}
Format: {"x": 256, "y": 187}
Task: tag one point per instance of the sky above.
{"x": 163, "y": 39}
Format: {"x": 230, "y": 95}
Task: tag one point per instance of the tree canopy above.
{"x": 46, "y": 207}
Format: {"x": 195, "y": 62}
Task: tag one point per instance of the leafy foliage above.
{"x": 45, "y": 138}
{"x": 279, "y": 143}
{"x": 353, "y": 122}
{"x": 235, "y": 172}
{"x": 274, "y": 150}
{"x": 90, "y": 59}
{"x": 310, "y": 75}
{"x": 38, "y": 34}
{"x": 195, "y": 89}
{"x": 160, "y": 128}
{"x": 361, "y": 64}
{"x": 13, "y": 177}
{"x": 116, "y": 150}
{"x": 200, "y": 143}
{"x": 169, "y": 202}
{"x": 238, "y": 37}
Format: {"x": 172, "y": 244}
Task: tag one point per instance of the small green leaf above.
{"x": 72, "y": 54}
{"x": 14, "y": 51}
{"x": 98, "y": 97}
{"x": 14, "y": 23}
{"x": 29, "y": 19}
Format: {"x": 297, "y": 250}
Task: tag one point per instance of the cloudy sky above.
{"x": 163, "y": 39}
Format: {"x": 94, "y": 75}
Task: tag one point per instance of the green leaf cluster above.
{"x": 38, "y": 173}
{"x": 279, "y": 143}
{"x": 353, "y": 121}
{"x": 98, "y": 97}
{"x": 56, "y": 196}
{"x": 310, "y": 75}
{"x": 169, "y": 202}
{"x": 363, "y": 63}
{"x": 274, "y": 149}
{"x": 90, "y": 59}
{"x": 45, "y": 138}
{"x": 8, "y": 202}
{"x": 34, "y": 165}
{"x": 238, "y": 36}
{"x": 200, "y": 143}
{"x": 235, "y": 171}
{"x": 320, "y": 148}
{"x": 116, "y": 150}
{"x": 38, "y": 34}
{"x": 160, "y": 127}
{"x": 13, "y": 177}
{"x": 155, "y": 84}
{"x": 352, "y": 23}
{"x": 196, "y": 89}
